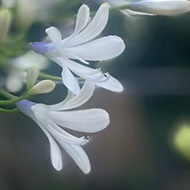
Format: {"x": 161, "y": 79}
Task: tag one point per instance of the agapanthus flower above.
{"x": 53, "y": 118}
{"x": 82, "y": 47}
{"x": 153, "y": 7}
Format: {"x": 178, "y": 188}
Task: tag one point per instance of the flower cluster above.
{"x": 24, "y": 66}
{"x": 74, "y": 54}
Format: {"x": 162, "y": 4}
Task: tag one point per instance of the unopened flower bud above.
{"x": 153, "y": 7}
{"x": 26, "y": 12}
{"x": 42, "y": 87}
{"x": 182, "y": 141}
{"x": 161, "y": 7}
{"x": 32, "y": 76}
{"x": 5, "y": 21}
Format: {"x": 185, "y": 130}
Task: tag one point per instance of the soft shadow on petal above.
{"x": 83, "y": 16}
{"x": 98, "y": 50}
{"x": 70, "y": 81}
{"x": 85, "y": 94}
{"x": 111, "y": 84}
{"x": 76, "y": 67}
{"x": 95, "y": 27}
{"x": 55, "y": 152}
{"x": 61, "y": 135}
{"x": 79, "y": 156}
{"x": 90, "y": 120}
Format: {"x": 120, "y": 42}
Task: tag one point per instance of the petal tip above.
{"x": 87, "y": 169}
{"x": 58, "y": 168}
{"x": 106, "y": 5}
{"x": 84, "y": 6}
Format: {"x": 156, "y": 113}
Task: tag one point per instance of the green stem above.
{"x": 50, "y": 77}
{"x": 13, "y": 99}
{"x": 6, "y": 94}
{"x": 122, "y": 7}
{"x": 9, "y": 111}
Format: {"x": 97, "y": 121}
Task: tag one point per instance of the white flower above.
{"x": 82, "y": 47}
{"x": 154, "y": 7}
{"x": 51, "y": 120}
{"x": 30, "y": 59}
{"x": 17, "y": 75}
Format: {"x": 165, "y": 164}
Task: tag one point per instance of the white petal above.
{"x": 70, "y": 81}
{"x": 79, "y": 156}
{"x": 96, "y": 76}
{"x": 85, "y": 94}
{"x": 90, "y": 121}
{"x": 111, "y": 84}
{"x": 76, "y": 67}
{"x": 101, "y": 49}
{"x": 42, "y": 114}
{"x": 95, "y": 27}
{"x": 61, "y": 135}
{"x": 93, "y": 75}
{"x": 136, "y": 13}
{"x": 55, "y": 152}
{"x": 61, "y": 104}
{"x": 73, "y": 56}
{"x": 83, "y": 16}
{"x": 54, "y": 35}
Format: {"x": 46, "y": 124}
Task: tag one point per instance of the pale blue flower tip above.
{"x": 41, "y": 47}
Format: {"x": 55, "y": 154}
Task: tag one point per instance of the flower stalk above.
{"x": 50, "y": 77}
{"x": 12, "y": 99}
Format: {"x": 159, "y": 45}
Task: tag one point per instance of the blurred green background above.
{"x": 136, "y": 151}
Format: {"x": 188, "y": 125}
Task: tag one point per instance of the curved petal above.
{"x": 73, "y": 56}
{"x": 135, "y": 13}
{"x": 111, "y": 84}
{"x": 55, "y": 152}
{"x": 93, "y": 75}
{"x": 61, "y": 104}
{"x": 95, "y": 27}
{"x": 76, "y": 67}
{"x": 43, "y": 115}
{"x": 61, "y": 135}
{"x": 90, "y": 120}
{"x": 70, "y": 81}
{"x": 85, "y": 94}
{"x": 83, "y": 16}
{"x": 79, "y": 156}
{"x": 98, "y": 50}
{"x": 55, "y": 35}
